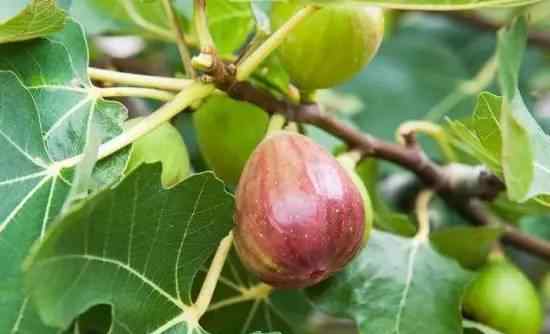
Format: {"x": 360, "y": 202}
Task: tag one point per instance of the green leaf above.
{"x": 436, "y": 4}
{"x": 526, "y": 148}
{"x": 137, "y": 247}
{"x": 481, "y": 136}
{"x": 258, "y": 307}
{"x": 470, "y": 246}
{"x": 106, "y": 16}
{"x": 397, "y": 285}
{"x": 165, "y": 145}
{"x": 147, "y": 18}
{"x": 67, "y": 103}
{"x": 235, "y": 14}
{"x": 38, "y": 18}
{"x": 43, "y": 121}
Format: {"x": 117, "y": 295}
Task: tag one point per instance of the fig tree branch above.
{"x": 462, "y": 187}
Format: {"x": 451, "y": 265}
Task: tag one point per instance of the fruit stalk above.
{"x": 209, "y": 285}
{"x": 252, "y": 62}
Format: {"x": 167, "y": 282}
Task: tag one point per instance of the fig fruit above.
{"x": 164, "y": 145}
{"x": 330, "y": 46}
{"x": 503, "y": 298}
{"x": 227, "y": 133}
{"x": 299, "y": 216}
{"x": 350, "y": 164}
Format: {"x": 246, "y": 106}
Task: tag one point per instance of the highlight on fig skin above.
{"x": 299, "y": 216}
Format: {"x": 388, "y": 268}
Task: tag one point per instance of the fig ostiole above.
{"x": 503, "y": 298}
{"x": 331, "y": 45}
{"x": 299, "y": 215}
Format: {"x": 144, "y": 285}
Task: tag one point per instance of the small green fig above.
{"x": 503, "y": 298}
{"x": 165, "y": 145}
{"x": 349, "y": 163}
{"x": 299, "y": 216}
{"x": 330, "y": 46}
{"x": 227, "y": 133}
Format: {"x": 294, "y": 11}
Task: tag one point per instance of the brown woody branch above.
{"x": 462, "y": 190}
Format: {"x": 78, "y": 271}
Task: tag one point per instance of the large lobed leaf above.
{"x": 137, "y": 247}
{"x": 48, "y": 109}
{"x": 38, "y": 18}
{"x": 397, "y": 285}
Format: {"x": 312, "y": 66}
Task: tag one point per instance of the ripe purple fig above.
{"x": 299, "y": 216}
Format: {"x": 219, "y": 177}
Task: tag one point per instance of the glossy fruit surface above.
{"x": 227, "y": 133}
{"x": 299, "y": 216}
{"x": 164, "y": 145}
{"x": 330, "y": 46}
{"x": 503, "y": 298}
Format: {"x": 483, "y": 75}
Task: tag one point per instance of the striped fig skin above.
{"x": 299, "y": 216}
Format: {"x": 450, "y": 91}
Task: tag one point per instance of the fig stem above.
{"x": 430, "y": 129}
{"x": 185, "y": 55}
{"x": 200, "y": 21}
{"x": 350, "y": 159}
{"x": 423, "y": 215}
{"x": 257, "y": 292}
{"x": 151, "y": 93}
{"x": 142, "y": 81}
{"x": 276, "y": 123}
{"x": 250, "y": 63}
{"x": 209, "y": 285}
{"x": 292, "y": 127}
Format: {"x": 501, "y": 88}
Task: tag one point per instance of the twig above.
{"x": 200, "y": 21}
{"x": 155, "y": 94}
{"x": 185, "y": 55}
{"x": 209, "y": 285}
{"x": 252, "y": 61}
{"x": 143, "y": 81}
{"x": 423, "y": 215}
{"x": 433, "y": 130}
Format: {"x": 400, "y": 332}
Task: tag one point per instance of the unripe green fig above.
{"x": 227, "y": 133}
{"x": 350, "y": 163}
{"x": 165, "y": 145}
{"x": 331, "y": 45}
{"x": 503, "y": 298}
{"x": 299, "y": 217}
